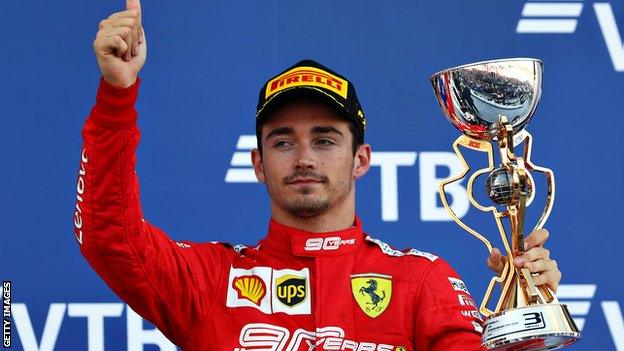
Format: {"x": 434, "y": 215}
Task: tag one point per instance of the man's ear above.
{"x": 256, "y": 160}
{"x": 362, "y": 164}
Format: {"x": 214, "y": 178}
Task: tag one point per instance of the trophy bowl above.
{"x": 474, "y": 96}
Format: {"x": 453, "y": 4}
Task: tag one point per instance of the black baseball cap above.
{"x": 309, "y": 78}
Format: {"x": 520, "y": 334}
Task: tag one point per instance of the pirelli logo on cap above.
{"x": 307, "y": 76}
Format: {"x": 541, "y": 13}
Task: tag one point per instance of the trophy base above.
{"x": 530, "y": 328}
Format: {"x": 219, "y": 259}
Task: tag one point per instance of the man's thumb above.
{"x": 133, "y": 4}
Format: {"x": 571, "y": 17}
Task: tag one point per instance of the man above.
{"x": 317, "y": 281}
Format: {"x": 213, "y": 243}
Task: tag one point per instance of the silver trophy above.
{"x": 491, "y": 102}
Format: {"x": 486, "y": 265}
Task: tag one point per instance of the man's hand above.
{"x": 120, "y": 46}
{"x": 535, "y": 258}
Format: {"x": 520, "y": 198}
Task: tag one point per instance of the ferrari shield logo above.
{"x": 372, "y": 292}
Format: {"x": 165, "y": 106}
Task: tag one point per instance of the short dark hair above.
{"x": 358, "y": 136}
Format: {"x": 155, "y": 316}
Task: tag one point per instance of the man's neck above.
{"x": 333, "y": 220}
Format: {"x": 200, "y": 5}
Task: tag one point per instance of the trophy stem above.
{"x": 515, "y": 166}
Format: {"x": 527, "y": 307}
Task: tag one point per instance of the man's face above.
{"x": 307, "y": 159}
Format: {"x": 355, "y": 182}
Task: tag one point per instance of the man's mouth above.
{"x": 304, "y": 181}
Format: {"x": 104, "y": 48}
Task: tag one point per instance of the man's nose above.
{"x": 305, "y": 159}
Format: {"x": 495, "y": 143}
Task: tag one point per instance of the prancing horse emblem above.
{"x": 372, "y": 292}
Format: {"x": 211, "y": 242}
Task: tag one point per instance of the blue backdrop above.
{"x": 206, "y": 62}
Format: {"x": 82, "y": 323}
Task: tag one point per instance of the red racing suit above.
{"x": 296, "y": 290}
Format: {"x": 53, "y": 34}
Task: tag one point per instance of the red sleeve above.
{"x": 167, "y": 283}
{"x": 446, "y": 315}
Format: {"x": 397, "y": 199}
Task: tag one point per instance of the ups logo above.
{"x": 291, "y": 290}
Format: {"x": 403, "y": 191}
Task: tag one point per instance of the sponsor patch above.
{"x": 270, "y": 290}
{"x": 80, "y": 196}
{"x": 291, "y": 291}
{"x": 329, "y": 244}
{"x": 308, "y": 76}
{"x": 458, "y": 285}
{"x": 372, "y": 292}
{"x": 250, "y": 287}
{"x": 471, "y": 314}
{"x": 262, "y": 336}
{"x": 465, "y": 300}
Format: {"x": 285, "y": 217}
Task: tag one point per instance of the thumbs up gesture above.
{"x": 120, "y": 46}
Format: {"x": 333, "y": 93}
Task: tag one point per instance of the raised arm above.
{"x": 166, "y": 282}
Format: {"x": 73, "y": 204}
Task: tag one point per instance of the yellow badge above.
{"x": 372, "y": 292}
{"x": 310, "y": 76}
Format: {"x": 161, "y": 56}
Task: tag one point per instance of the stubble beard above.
{"x": 307, "y": 208}
{"x": 306, "y": 205}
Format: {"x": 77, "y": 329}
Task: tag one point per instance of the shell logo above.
{"x": 250, "y": 287}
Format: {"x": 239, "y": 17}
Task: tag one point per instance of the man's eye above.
{"x": 324, "y": 142}
{"x": 281, "y": 144}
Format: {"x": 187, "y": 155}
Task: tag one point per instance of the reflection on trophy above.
{"x": 492, "y": 102}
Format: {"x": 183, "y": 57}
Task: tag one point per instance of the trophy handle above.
{"x": 506, "y": 276}
{"x": 550, "y": 180}
{"x": 477, "y": 145}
